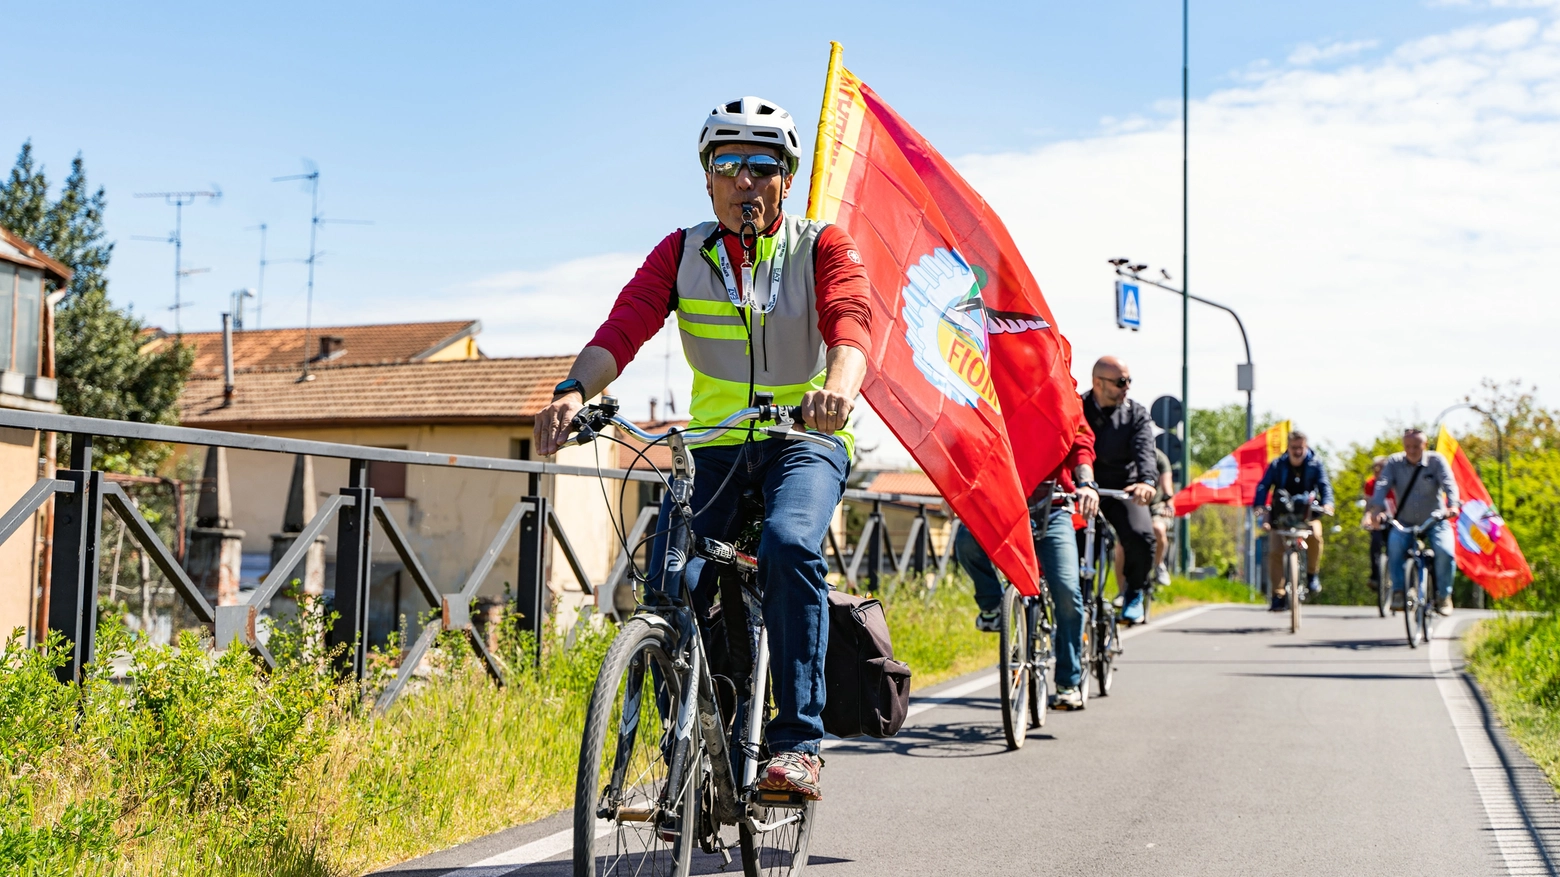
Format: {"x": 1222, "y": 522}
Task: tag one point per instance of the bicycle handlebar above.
{"x": 594, "y": 417}
{"x": 1436, "y": 517}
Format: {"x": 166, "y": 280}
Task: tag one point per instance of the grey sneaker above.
{"x": 1162, "y": 574}
{"x": 794, "y": 772}
{"x": 989, "y": 622}
{"x": 1444, "y": 607}
{"x": 1067, "y": 699}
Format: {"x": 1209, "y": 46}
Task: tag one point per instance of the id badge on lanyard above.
{"x": 748, "y": 296}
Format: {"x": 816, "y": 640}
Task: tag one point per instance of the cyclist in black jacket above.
{"x": 1124, "y": 460}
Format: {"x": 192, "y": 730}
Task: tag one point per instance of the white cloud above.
{"x": 1310, "y": 53}
{"x": 1385, "y": 230}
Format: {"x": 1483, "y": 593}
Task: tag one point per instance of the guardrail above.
{"x": 81, "y": 492}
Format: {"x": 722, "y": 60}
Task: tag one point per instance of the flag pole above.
{"x": 831, "y": 84}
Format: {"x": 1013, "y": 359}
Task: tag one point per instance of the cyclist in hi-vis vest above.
{"x": 766, "y": 303}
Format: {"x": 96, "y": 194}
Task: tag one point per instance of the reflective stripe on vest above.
{"x": 787, "y": 356}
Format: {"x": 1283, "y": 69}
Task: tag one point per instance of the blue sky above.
{"x": 494, "y": 146}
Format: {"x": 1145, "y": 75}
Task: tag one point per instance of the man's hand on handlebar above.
{"x": 1088, "y": 502}
{"x": 552, "y": 423}
{"x": 1142, "y": 494}
{"x": 826, "y": 410}
{"x": 1327, "y": 510}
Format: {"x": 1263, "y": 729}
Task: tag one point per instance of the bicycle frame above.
{"x": 698, "y": 705}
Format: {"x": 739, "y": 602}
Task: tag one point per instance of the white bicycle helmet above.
{"x": 751, "y": 120}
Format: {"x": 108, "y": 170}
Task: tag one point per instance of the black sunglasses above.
{"x": 758, "y": 166}
{"x": 1123, "y": 383}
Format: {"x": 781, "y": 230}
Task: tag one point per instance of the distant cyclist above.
{"x": 1297, "y": 472}
{"x": 1163, "y": 512}
{"x": 1423, "y": 484}
{"x": 1378, "y": 533}
{"x": 766, "y": 303}
{"x": 1124, "y": 460}
{"x": 1058, "y": 551}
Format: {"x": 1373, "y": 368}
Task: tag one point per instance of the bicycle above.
{"x": 684, "y": 759}
{"x": 1026, "y": 648}
{"x": 1293, "y": 516}
{"x": 1418, "y": 569}
{"x": 1101, "y": 639}
{"x": 1383, "y": 582}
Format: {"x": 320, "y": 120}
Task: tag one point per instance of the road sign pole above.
{"x": 1183, "y": 536}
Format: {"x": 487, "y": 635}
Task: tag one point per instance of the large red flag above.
{"x": 970, "y": 373}
{"x": 1487, "y": 552}
{"x": 1233, "y": 480}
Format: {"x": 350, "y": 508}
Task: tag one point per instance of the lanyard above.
{"x": 748, "y": 296}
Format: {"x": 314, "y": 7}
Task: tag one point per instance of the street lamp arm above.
{"x": 1226, "y": 308}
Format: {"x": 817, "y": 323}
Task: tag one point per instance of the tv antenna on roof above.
{"x": 312, "y": 180}
{"x": 178, "y": 200}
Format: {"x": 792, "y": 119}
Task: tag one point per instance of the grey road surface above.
{"x": 1227, "y": 746}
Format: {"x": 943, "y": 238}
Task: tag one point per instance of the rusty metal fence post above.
{"x": 354, "y": 562}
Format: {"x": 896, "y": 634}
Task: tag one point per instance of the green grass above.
{"x": 208, "y": 766}
{"x": 1184, "y": 592}
{"x": 1517, "y": 662}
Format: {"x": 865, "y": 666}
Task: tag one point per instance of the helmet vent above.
{"x": 766, "y": 110}
{"x": 766, "y": 134}
{"x": 734, "y": 107}
{"x": 792, "y": 135}
{"x": 726, "y": 132}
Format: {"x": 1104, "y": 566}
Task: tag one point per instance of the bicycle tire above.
{"x": 1292, "y": 577}
{"x": 1088, "y": 652}
{"x": 1411, "y": 616}
{"x": 1383, "y": 587}
{"x": 1013, "y": 667}
{"x": 1040, "y": 660}
{"x": 634, "y": 846}
{"x": 1105, "y": 667}
{"x": 1426, "y": 606}
{"x": 786, "y": 854}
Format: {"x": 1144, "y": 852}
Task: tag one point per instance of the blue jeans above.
{"x": 801, "y": 484}
{"x": 1058, "y": 551}
{"x": 1441, "y": 540}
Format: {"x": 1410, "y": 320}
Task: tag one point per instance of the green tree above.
{"x": 102, "y": 371}
{"x": 1218, "y": 431}
{"x": 1216, "y": 530}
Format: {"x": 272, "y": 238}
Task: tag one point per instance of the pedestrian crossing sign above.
{"x": 1128, "y": 311}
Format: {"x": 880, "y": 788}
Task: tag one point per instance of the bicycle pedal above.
{"x": 779, "y": 798}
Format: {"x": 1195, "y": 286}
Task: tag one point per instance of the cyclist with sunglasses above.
{"x": 1124, "y": 460}
{"x": 771, "y": 303}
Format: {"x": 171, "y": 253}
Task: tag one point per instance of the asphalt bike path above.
{"x": 1227, "y": 746}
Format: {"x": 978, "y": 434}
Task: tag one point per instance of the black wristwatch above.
{"x": 1092, "y": 485}
{"x": 572, "y": 385}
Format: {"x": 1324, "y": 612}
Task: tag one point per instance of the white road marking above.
{"x": 563, "y": 841}
{"x": 1517, "y": 847}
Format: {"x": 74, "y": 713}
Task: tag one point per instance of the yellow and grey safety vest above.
{"x": 778, "y": 339}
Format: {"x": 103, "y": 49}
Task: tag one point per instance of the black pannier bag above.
{"x": 868, "y": 691}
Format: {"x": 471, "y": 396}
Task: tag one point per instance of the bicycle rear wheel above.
{"x": 782, "y": 850}
{"x": 1295, "y": 586}
{"x": 1041, "y": 659}
{"x": 1107, "y": 644}
{"x": 1013, "y": 667}
{"x": 1383, "y": 587}
{"x": 633, "y": 823}
{"x": 1411, "y": 601}
{"x": 1426, "y": 605}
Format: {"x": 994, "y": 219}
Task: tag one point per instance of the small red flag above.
{"x": 1487, "y": 551}
{"x": 1233, "y": 480}
{"x": 970, "y": 372}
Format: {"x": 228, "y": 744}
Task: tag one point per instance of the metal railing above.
{"x": 81, "y": 492}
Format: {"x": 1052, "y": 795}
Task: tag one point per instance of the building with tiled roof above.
{"x": 451, "y": 392}
{"x": 658, "y": 456}
{"x": 282, "y": 350}
{"x": 908, "y": 483}
{"x": 417, "y": 386}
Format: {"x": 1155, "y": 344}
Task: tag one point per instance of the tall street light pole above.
{"x": 1183, "y": 537}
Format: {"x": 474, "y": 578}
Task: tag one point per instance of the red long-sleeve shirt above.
{"x": 839, "y": 284}
{"x": 1081, "y": 453}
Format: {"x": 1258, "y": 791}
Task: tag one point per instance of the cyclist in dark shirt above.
{"x": 1296, "y": 472}
{"x": 1124, "y": 460}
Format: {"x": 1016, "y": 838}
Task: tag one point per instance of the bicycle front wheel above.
{"x": 1107, "y": 643}
{"x": 1412, "y": 597}
{"x": 1042, "y": 655}
{"x": 1013, "y": 667}
{"x": 627, "y": 821}
{"x": 1292, "y": 577}
{"x": 1383, "y": 587}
